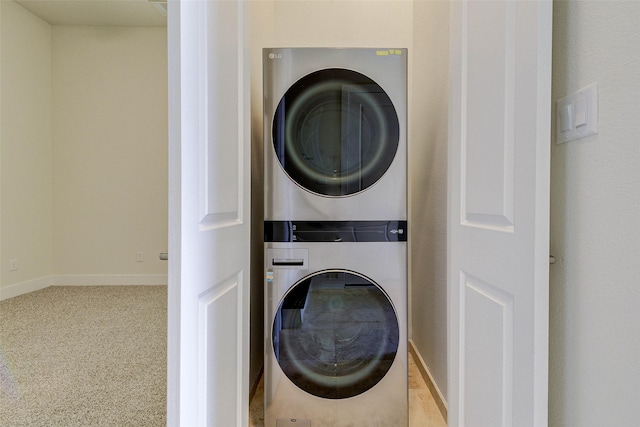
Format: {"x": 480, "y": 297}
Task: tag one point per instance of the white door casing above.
{"x": 209, "y": 210}
{"x": 498, "y": 225}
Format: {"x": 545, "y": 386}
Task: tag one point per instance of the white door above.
{"x": 208, "y": 342}
{"x": 499, "y": 212}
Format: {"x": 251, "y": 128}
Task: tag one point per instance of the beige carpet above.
{"x": 84, "y": 356}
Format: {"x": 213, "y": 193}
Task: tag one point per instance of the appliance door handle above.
{"x": 287, "y": 261}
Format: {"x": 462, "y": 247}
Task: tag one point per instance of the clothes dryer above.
{"x": 336, "y": 324}
{"x": 335, "y": 133}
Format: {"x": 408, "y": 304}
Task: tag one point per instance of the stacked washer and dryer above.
{"x": 335, "y": 237}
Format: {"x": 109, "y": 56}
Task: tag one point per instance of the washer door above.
{"x": 335, "y": 132}
{"x": 335, "y": 334}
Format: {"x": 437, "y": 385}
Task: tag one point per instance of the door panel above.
{"x": 488, "y": 121}
{"x": 220, "y": 165}
{"x": 220, "y": 319}
{"x": 208, "y": 348}
{"x": 498, "y": 237}
{"x": 487, "y": 349}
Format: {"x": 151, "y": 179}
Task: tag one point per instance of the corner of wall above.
{"x": 26, "y": 191}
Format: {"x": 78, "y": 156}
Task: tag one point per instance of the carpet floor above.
{"x": 84, "y": 356}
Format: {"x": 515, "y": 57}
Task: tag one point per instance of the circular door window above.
{"x": 335, "y": 132}
{"x": 335, "y": 334}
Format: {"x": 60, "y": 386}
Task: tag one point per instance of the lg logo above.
{"x": 275, "y": 55}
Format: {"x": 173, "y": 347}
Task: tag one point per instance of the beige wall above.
{"x": 110, "y": 149}
{"x": 354, "y": 23}
{"x": 83, "y": 152}
{"x": 428, "y": 187}
{"x": 25, "y": 143}
{"x": 594, "y": 377}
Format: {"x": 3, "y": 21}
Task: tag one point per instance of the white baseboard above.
{"x": 441, "y": 401}
{"x": 81, "y": 280}
{"x": 110, "y": 279}
{"x": 25, "y": 287}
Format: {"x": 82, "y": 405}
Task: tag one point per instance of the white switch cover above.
{"x": 564, "y": 117}
{"x": 577, "y": 115}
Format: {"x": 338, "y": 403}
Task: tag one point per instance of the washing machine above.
{"x": 336, "y": 324}
{"x": 335, "y": 133}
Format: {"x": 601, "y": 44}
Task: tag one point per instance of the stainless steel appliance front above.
{"x": 335, "y": 133}
{"x": 336, "y": 333}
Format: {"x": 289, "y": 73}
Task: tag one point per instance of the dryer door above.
{"x": 335, "y": 132}
{"x": 335, "y": 334}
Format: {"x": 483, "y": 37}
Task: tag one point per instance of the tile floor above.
{"x": 423, "y": 411}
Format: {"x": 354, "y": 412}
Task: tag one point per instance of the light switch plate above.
{"x": 577, "y": 115}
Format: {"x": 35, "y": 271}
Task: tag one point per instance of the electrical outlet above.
{"x": 14, "y": 264}
{"x": 139, "y": 256}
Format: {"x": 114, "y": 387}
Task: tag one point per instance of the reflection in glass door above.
{"x": 335, "y": 132}
{"x": 335, "y": 334}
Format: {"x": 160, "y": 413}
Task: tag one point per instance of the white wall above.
{"x": 595, "y": 224}
{"x": 428, "y": 187}
{"x": 25, "y": 142}
{"x": 110, "y": 149}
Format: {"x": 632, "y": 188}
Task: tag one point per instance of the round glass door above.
{"x": 335, "y": 132}
{"x": 335, "y": 334}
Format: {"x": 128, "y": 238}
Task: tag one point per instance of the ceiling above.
{"x": 137, "y": 13}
